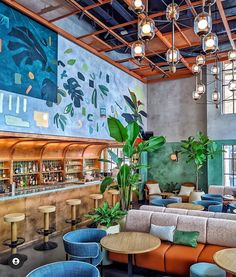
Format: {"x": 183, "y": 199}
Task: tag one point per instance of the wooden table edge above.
{"x": 225, "y": 269}
{"x": 134, "y": 252}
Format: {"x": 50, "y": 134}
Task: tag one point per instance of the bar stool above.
{"x": 114, "y": 193}
{"x": 96, "y": 197}
{"x": 15, "y": 241}
{"x": 46, "y": 231}
{"x": 74, "y": 220}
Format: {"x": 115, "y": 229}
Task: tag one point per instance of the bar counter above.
{"x": 28, "y": 204}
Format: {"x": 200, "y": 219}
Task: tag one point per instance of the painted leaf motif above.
{"x": 81, "y": 76}
{"x": 71, "y": 61}
{"x": 94, "y": 98}
{"x": 133, "y": 97}
{"x": 68, "y": 108}
{"x": 68, "y": 51}
{"x": 76, "y": 94}
{"x": 103, "y": 89}
{"x": 29, "y": 49}
{"x": 49, "y": 90}
{"x": 4, "y": 21}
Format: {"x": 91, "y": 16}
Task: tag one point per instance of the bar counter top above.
{"x": 39, "y": 190}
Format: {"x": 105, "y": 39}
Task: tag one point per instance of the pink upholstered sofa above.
{"x": 215, "y": 234}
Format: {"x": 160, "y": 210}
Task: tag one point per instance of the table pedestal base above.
{"x": 130, "y": 265}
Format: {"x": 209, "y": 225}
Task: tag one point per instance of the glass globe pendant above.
{"x": 172, "y": 58}
{"x": 215, "y": 70}
{"x": 200, "y": 60}
{"x": 232, "y": 85}
{"x": 138, "y": 6}
{"x": 210, "y": 43}
{"x": 138, "y": 50}
{"x": 202, "y": 24}
{"x": 210, "y": 2}
{"x": 196, "y": 69}
{"x": 232, "y": 55}
{"x": 172, "y": 12}
{"x": 215, "y": 96}
{"x": 146, "y": 29}
{"x": 196, "y": 96}
{"x": 200, "y": 89}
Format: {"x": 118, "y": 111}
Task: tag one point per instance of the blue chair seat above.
{"x": 84, "y": 245}
{"x": 211, "y": 196}
{"x": 65, "y": 269}
{"x": 163, "y": 202}
{"x": 216, "y": 208}
{"x": 206, "y": 270}
{"x": 231, "y": 208}
{"x": 206, "y": 203}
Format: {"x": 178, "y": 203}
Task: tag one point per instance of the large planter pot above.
{"x": 111, "y": 230}
{"x": 195, "y": 195}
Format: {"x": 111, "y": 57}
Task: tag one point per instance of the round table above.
{"x": 226, "y": 259}
{"x": 166, "y": 194}
{"x": 187, "y": 206}
{"x": 130, "y": 243}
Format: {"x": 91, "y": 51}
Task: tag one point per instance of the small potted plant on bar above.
{"x": 128, "y": 178}
{"x": 108, "y": 218}
{"x": 198, "y": 150}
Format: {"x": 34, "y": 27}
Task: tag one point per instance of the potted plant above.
{"x": 198, "y": 150}
{"x": 108, "y": 218}
{"x": 128, "y": 178}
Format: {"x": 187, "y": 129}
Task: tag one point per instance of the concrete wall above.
{"x": 172, "y": 111}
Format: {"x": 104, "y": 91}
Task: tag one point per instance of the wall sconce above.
{"x": 174, "y": 156}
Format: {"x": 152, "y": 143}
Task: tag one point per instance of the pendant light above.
{"x": 196, "y": 96}
{"x": 232, "y": 83}
{"x": 215, "y": 97}
{"x": 138, "y": 50}
{"x": 215, "y": 70}
{"x": 200, "y": 60}
{"x": 210, "y": 43}
{"x": 202, "y": 24}
{"x": 232, "y": 55}
{"x": 138, "y": 6}
{"x": 196, "y": 69}
{"x": 173, "y": 54}
{"x": 146, "y": 29}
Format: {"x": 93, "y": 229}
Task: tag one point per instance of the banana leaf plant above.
{"x": 128, "y": 178}
{"x": 198, "y": 150}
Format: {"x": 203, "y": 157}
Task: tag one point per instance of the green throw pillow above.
{"x": 186, "y": 238}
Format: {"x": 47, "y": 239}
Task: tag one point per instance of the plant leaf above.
{"x": 117, "y": 130}
{"x": 132, "y": 131}
{"x": 105, "y": 183}
{"x": 71, "y": 61}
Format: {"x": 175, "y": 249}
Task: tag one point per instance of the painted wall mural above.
{"x": 84, "y": 90}
{"x": 28, "y": 56}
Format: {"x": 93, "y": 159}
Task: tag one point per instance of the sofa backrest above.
{"x": 212, "y": 230}
{"x": 188, "y": 212}
{"x": 193, "y": 223}
{"x": 221, "y": 232}
{"x": 139, "y": 221}
{"x": 216, "y": 189}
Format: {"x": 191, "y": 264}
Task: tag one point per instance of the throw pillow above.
{"x": 163, "y": 232}
{"x": 186, "y": 238}
{"x": 186, "y": 190}
{"x": 154, "y": 188}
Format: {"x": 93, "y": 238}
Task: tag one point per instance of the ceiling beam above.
{"x": 191, "y": 7}
{"x": 225, "y": 22}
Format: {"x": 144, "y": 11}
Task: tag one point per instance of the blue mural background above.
{"x": 89, "y": 90}
{"x": 28, "y": 56}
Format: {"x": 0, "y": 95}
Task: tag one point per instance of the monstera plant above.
{"x": 198, "y": 150}
{"x": 128, "y": 178}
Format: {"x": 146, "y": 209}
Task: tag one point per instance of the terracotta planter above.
{"x": 195, "y": 195}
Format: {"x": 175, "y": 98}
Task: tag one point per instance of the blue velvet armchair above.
{"x": 65, "y": 269}
{"x": 163, "y": 202}
{"x": 84, "y": 245}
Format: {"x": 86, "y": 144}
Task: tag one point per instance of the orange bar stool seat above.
{"x": 74, "y": 219}
{"x": 15, "y": 240}
{"x": 46, "y": 230}
{"x": 96, "y": 197}
{"x": 114, "y": 193}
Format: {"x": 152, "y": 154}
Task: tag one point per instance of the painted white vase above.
{"x": 195, "y": 195}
